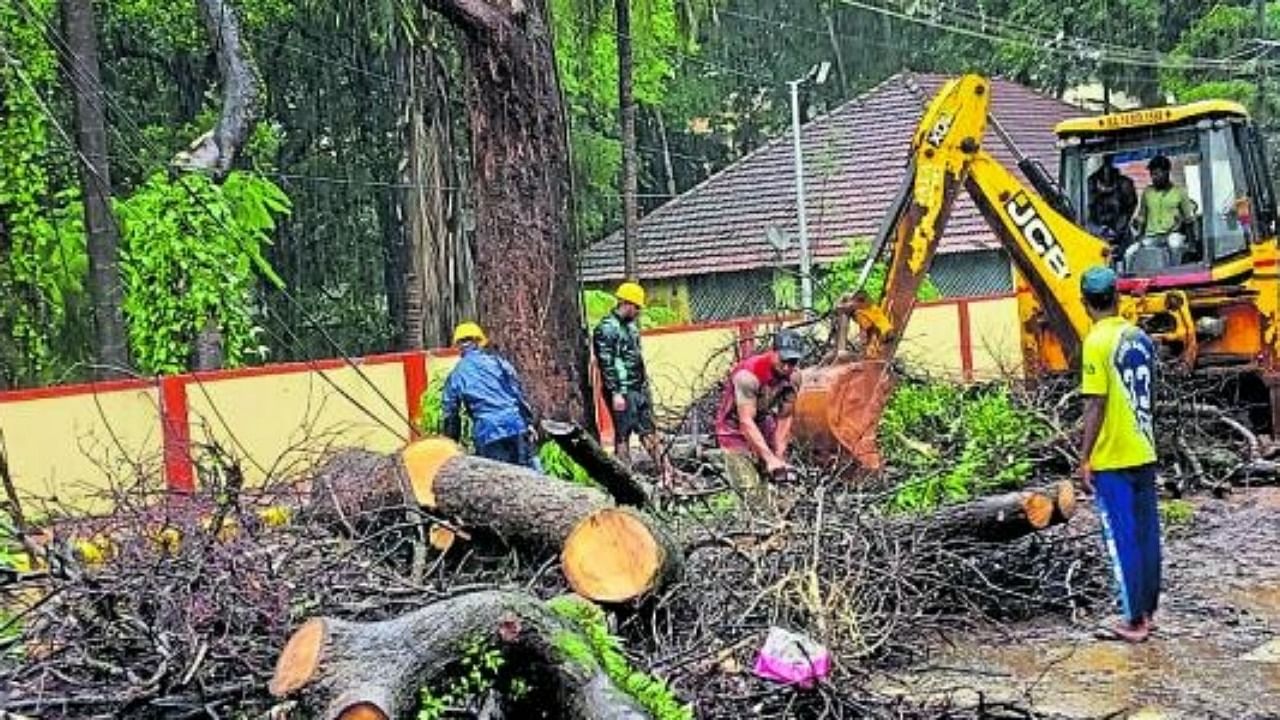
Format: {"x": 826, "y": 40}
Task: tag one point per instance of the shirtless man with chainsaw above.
{"x": 754, "y": 415}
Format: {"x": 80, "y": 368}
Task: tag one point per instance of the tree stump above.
{"x": 342, "y": 670}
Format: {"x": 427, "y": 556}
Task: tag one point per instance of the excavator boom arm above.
{"x": 843, "y": 402}
{"x": 1049, "y": 250}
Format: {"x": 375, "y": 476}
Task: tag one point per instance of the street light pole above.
{"x": 806, "y": 259}
{"x": 818, "y": 73}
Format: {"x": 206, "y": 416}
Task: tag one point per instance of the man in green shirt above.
{"x": 1165, "y": 211}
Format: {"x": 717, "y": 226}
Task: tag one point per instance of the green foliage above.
{"x": 953, "y": 443}
{"x": 1176, "y": 513}
{"x": 44, "y": 270}
{"x": 1219, "y": 32}
{"x": 11, "y": 558}
{"x": 432, "y": 404}
{"x": 190, "y": 253}
{"x": 479, "y": 668}
{"x": 599, "y": 303}
{"x": 841, "y": 277}
{"x": 556, "y": 463}
{"x": 587, "y": 58}
{"x": 593, "y": 646}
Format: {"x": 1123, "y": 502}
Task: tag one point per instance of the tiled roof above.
{"x": 854, "y": 160}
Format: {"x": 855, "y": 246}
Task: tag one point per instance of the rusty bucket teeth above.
{"x": 839, "y": 408}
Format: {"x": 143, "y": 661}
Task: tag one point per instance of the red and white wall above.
{"x": 71, "y": 441}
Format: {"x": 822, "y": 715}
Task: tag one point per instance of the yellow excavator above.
{"x": 1206, "y": 291}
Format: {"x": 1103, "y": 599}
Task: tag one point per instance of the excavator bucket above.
{"x": 839, "y": 408}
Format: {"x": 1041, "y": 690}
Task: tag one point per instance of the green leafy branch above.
{"x": 191, "y": 252}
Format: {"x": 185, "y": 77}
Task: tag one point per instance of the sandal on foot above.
{"x": 1123, "y": 634}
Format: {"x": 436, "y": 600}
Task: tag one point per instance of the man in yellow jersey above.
{"x": 1118, "y": 454}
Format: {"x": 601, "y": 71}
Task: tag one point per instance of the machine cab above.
{"x": 1179, "y": 193}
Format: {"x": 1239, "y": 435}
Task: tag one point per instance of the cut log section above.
{"x": 618, "y": 555}
{"x": 615, "y": 554}
{"x": 1064, "y": 501}
{"x": 605, "y": 469}
{"x": 1000, "y": 518}
{"x": 341, "y": 670}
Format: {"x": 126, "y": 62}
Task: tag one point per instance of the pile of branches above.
{"x": 877, "y": 590}
{"x": 179, "y": 606}
{"x": 1212, "y": 431}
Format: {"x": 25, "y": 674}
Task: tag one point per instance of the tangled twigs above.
{"x": 159, "y": 612}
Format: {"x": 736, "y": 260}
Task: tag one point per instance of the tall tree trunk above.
{"x": 829, "y": 14}
{"x": 81, "y": 64}
{"x": 627, "y": 121}
{"x": 216, "y": 150}
{"x": 438, "y": 263}
{"x": 527, "y": 290}
{"x": 667, "y": 168}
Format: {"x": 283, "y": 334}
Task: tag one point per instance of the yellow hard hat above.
{"x": 469, "y": 331}
{"x": 630, "y": 292}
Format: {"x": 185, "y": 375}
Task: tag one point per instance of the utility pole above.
{"x": 818, "y": 73}
{"x": 806, "y": 260}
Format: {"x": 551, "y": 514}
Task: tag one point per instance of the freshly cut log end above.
{"x": 301, "y": 656}
{"x": 612, "y": 556}
{"x": 441, "y": 537}
{"x": 422, "y": 462}
{"x": 362, "y": 711}
{"x": 1065, "y": 501}
{"x": 1000, "y": 518}
{"x": 1038, "y": 509}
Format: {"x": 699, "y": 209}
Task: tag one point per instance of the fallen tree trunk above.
{"x": 343, "y": 670}
{"x": 608, "y": 554}
{"x": 1000, "y": 518}
{"x": 612, "y": 475}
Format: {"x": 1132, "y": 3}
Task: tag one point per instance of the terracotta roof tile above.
{"x": 854, "y": 160}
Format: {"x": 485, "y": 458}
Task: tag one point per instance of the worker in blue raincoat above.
{"x": 488, "y": 388}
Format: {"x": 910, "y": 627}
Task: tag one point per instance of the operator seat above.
{"x": 1150, "y": 258}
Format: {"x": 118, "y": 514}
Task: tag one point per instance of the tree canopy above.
{"x": 309, "y": 256}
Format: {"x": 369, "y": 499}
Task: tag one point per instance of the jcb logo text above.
{"x": 1037, "y": 234}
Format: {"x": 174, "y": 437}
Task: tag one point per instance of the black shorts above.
{"x": 514, "y": 450}
{"x": 637, "y": 418}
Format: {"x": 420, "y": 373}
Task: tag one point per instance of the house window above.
{"x": 972, "y": 274}
{"x": 724, "y": 296}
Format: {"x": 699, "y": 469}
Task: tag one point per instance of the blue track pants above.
{"x": 1131, "y": 530}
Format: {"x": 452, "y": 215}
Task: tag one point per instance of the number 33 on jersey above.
{"x": 1119, "y": 364}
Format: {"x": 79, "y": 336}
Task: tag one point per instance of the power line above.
{"x": 1050, "y": 43}
{"x": 56, "y": 39}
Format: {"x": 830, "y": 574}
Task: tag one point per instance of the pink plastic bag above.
{"x": 792, "y": 659}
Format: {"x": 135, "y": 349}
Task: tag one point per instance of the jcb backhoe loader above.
{"x": 1207, "y": 292}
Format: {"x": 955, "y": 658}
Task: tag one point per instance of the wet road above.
{"x": 1216, "y": 653}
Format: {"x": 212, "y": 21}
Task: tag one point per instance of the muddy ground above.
{"x": 1216, "y": 653}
